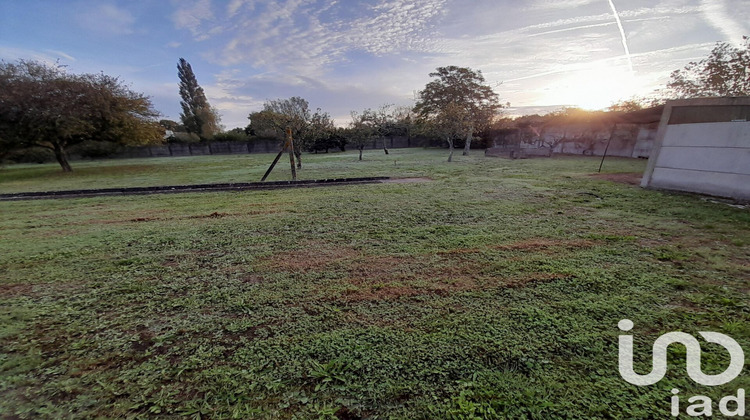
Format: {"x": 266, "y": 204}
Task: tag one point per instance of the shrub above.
{"x": 230, "y": 136}
{"x": 183, "y": 137}
{"x": 95, "y": 149}
{"x": 31, "y": 155}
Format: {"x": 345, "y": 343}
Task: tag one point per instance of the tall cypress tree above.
{"x": 197, "y": 115}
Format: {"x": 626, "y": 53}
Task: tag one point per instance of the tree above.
{"x": 171, "y": 125}
{"x": 197, "y": 115}
{"x": 725, "y": 72}
{"x": 294, "y": 113}
{"x": 279, "y": 115}
{"x": 320, "y": 132}
{"x": 451, "y": 122}
{"x": 404, "y": 122}
{"x": 361, "y": 131}
{"x": 626, "y": 105}
{"x": 381, "y": 122}
{"x": 458, "y": 92}
{"x": 44, "y": 106}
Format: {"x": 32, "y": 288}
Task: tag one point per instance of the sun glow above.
{"x": 593, "y": 88}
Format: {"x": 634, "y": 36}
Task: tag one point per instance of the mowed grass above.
{"x": 213, "y": 169}
{"x": 492, "y": 291}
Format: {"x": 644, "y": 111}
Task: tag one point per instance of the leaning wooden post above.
{"x": 290, "y": 144}
{"x": 270, "y": 168}
{"x": 611, "y": 134}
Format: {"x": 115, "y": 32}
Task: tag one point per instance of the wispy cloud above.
{"x": 310, "y": 34}
{"x": 61, "y": 54}
{"x": 50, "y": 57}
{"x": 557, "y": 4}
{"x": 191, "y": 15}
{"x": 106, "y": 19}
{"x": 718, "y": 16}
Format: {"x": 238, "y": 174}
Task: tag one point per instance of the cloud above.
{"x": 311, "y": 35}
{"x": 61, "y": 54}
{"x": 717, "y": 15}
{"x": 347, "y": 55}
{"x": 191, "y": 15}
{"x": 106, "y": 19}
{"x": 50, "y": 57}
{"x": 236, "y": 95}
{"x": 557, "y": 4}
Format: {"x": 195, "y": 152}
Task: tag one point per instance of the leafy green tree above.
{"x": 725, "y": 72}
{"x": 197, "y": 115}
{"x": 451, "y": 122}
{"x": 294, "y": 113}
{"x": 171, "y": 125}
{"x": 43, "y": 106}
{"x": 461, "y": 93}
{"x": 320, "y": 132}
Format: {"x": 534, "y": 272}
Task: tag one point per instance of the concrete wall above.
{"x": 644, "y": 142}
{"x": 703, "y": 146}
{"x": 627, "y": 140}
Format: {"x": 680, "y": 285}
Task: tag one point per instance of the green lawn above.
{"x": 492, "y": 291}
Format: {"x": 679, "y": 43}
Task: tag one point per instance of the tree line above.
{"x": 44, "y": 106}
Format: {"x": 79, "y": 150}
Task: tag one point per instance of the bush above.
{"x": 90, "y": 149}
{"x": 183, "y": 137}
{"x": 31, "y": 155}
{"x": 230, "y": 136}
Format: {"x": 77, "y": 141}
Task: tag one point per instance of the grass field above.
{"x": 492, "y": 291}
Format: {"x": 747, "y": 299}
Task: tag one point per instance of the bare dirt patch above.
{"x": 630, "y": 178}
{"x": 311, "y": 257}
{"x": 214, "y": 215}
{"x": 534, "y": 278}
{"x": 31, "y": 289}
{"x": 384, "y": 277}
{"x": 15, "y": 289}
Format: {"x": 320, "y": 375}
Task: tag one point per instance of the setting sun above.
{"x": 593, "y": 88}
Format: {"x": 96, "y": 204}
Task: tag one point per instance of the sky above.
{"x": 538, "y": 55}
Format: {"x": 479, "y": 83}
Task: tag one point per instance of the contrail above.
{"x": 622, "y": 33}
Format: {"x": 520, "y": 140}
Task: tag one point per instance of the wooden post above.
{"x": 290, "y": 143}
{"x": 270, "y": 168}
{"x": 612, "y": 134}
